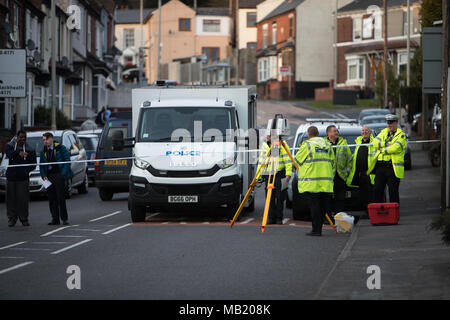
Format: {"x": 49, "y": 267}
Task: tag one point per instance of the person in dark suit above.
{"x": 17, "y": 186}
{"x": 57, "y": 174}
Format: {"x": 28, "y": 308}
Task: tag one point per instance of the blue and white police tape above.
{"x": 201, "y": 152}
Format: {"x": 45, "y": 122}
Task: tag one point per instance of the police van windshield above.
{"x": 350, "y": 140}
{"x": 161, "y": 124}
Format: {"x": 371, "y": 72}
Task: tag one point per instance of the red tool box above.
{"x": 384, "y": 213}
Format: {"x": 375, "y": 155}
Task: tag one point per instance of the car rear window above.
{"x": 89, "y": 143}
{"x": 108, "y": 141}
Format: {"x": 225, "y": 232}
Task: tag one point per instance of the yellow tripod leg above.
{"x": 250, "y": 189}
{"x": 270, "y": 186}
{"x": 331, "y": 222}
{"x": 290, "y": 156}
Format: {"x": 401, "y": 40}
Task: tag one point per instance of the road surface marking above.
{"x": 12, "y": 257}
{"x": 118, "y": 228}
{"x": 153, "y": 214}
{"x": 165, "y": 223}
{"x": 49, "y": 242}
{"x": 93, "y": 230}
{"x": 12, "y": 245}
{"x": 292, "y": 224}
{"x": 206, "y": 222}
{"x": 54, "y": 231}
{"x": 31, "y": 249}
{"x": 16, "y": 267}
{"x": 108, "y": 215}
{"x": 183, "y": 222}
{"x": 285, "y": 220}
{"x": 68, "y": 236}
{"x": 342, "y": 116}
{"x": 247, "y": 221}
{"x": 72, "y": 246}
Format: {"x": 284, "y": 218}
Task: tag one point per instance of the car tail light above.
{"x": 97, "y": 165}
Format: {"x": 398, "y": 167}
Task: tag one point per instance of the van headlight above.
{"x": 227, "y": 162}
{"x": 141, "y": 164}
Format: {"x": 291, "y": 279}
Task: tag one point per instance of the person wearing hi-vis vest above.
{"x": 361, "y": 159}
{"x": 284, "y": 172}
{"x": 341, "y": 167}
{"x": 315, "y": 177}
{"x": 388, "y": 162}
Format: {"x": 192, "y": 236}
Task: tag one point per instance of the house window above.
{"x": 355, "y": 69}
{"x": 251, "y": 45}
{"x": 212, "y": 54}
{"x": 357, "y": 29}
{"x": 291, "y": 27}
{"x": 368, "y": 28}
{"x": 402, "y": 61}
{"x": 129, "y": 37}
{"x": 378, "y": 28}
{"x": 16, "y": 26}
{"x": 99, "y": 40}
{"x": 265, "y": 35}
{"x": 89, "y": 34}
{"x": 274, "y": 32}
{"x": 251, "y": 19}
{"x": 211, "y": 25}
{"x": 184, "y": 24}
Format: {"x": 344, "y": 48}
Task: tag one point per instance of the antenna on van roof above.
{"x": 217, "y": 95}
{"x": 159, "y": 97}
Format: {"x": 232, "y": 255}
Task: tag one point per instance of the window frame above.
{"x": 357, "y": 28}
{"x": 183, "y": 27}
{"x": 211, "y": 22}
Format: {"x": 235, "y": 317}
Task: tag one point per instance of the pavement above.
{"x": 413, "y": 261}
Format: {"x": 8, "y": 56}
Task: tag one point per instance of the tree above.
{"x": 393, "y": 86}
{"x": 431, "y": 12}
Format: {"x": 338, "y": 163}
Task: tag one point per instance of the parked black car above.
{"x": 111, "y": 176}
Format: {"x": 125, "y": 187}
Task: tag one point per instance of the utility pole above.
{"x": 141, "y": 55}
{"x": 408, "y": 46}
{"x": 445, "y": 134}
{"x": 54, "y": 41}
{"x": 159, "y": 40}
{"x": 385, "y": 58}
{"x": 335, "y": 45}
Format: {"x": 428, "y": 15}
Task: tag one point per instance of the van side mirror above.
{"x": 117, "y": 141}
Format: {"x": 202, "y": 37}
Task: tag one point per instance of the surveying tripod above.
{"x": 272, "y": 162}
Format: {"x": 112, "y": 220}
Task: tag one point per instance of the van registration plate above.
{"x": 183, "y": 199}
{"x": 116, "y": 162}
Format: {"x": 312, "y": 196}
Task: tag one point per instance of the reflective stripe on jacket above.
{"x": 370, "y": 155}
{"x": 316, "y": 159}
{"x": 390, "y": 150}
{"x": 343, "y": 162}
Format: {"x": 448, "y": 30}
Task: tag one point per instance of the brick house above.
{"x": 275, "y": 48}
{"x": 360, "y": 40}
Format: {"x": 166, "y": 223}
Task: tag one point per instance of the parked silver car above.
{"x": 76, "y": 151}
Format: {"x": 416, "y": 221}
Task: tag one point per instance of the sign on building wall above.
{"x": 12, "y": 73}
{"x": 285, "y": 70}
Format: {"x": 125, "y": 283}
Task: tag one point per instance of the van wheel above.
{"x": 105, "y": 194}
{"x": 137, "y": 213}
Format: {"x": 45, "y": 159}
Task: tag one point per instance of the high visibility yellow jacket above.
{"x": 390, "y": 149}
{"x": 343, "y": 162}
{"x": 284, "y": 162}
{"x": 370, "y": 154}
{"x": 316, "y": 160}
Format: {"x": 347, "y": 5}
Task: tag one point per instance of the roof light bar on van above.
{"x": 228, "y": 103}
{"x": 146, "y": 103}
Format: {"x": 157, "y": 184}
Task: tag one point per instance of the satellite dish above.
{"x": 30, "y": 45}
{"x": 64, "y": 61}
{"x": 37, "y": 56}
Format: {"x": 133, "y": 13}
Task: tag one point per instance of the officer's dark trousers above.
{"x": 56, "y": 197}
{"x": 319, "y": 204}
{"x": 339, "y": 194}
{"x": 384, "y": 175}
{"x": 276, "y": 202}
{"x": 365, "y": 189}
{"x": 17, "y": 198}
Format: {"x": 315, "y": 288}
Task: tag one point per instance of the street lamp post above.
{"x": 54, "y": 41}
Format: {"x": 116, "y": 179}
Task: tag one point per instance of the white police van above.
{"x": 185, "y": 143}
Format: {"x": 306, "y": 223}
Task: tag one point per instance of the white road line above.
{"x": 118, "y": 228}
{"x": 247, "y": 221}
{"x": 72, "y": 246}
{"x": 285, "y": 220}
{"x": 12, "y": 245}
{"x": 292, "y": 224}
{"x": 183, "y": 222}
{"x": 206, "y": 222}
{"x": 153, "y": 214}
{"x": 12, "y": 257}
{"x": 54, "y": 231}
{"x": 165, "y": 223}
{"x": 68, "y": 236}
{"x": 342, "y": 116}
{"x": 16, "y": 267}
{"x": 108, "y": 215}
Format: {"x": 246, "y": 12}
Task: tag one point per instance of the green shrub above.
{"x": 43, "y": 117}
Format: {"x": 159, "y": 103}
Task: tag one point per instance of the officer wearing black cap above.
{"x": 388, "y": 162}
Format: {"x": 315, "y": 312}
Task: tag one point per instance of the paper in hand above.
{"x": 46, "y": 184}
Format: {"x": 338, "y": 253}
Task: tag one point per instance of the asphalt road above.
{"x": 172, "y": 256}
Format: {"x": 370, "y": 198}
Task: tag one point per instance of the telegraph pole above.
{"x": 159, "y": 40}
{"x": 54, "y": 41}
{"x": 140, "y": 54}
{"x": 408, "y": 46}
{"x": 385, "y": 58}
